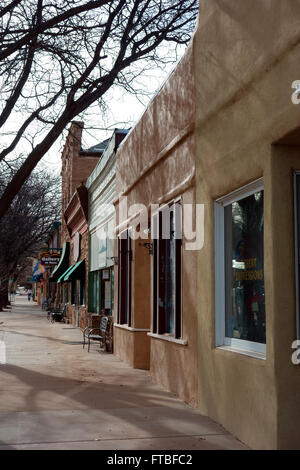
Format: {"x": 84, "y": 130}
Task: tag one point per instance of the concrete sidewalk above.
{"x": 55, "y": 395}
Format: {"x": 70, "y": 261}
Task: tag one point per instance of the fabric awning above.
{"x": 61, "y": 278}
{"x": 77, "y": 272}
{"x": 63, "y": 263}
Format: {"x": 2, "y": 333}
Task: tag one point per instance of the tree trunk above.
{"x": 4, "y": 292}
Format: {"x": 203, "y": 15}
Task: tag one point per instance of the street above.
{"x": 56, "y": 395}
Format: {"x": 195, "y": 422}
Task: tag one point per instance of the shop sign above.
{"x": 49, "y": 258}
{"x": 105, "y": 274}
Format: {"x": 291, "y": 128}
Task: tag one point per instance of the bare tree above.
{"x": 26, "y": 223}
{"x": 58, "y": 57}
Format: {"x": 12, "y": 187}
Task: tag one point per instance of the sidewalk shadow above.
{"x": 135, "y": 407}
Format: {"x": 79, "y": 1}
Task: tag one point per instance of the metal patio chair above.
{"x": 96, "y": 334}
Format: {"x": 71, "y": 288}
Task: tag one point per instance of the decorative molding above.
{"x": 180, "y": 137}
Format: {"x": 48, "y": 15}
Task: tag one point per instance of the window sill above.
{"x": 171, "y": 339}
{"x": 244, "y": 352}
{"x": 129, "y": 328}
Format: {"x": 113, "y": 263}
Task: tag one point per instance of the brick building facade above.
{"x": 72, "y": 275}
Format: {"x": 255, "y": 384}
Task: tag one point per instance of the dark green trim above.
{"x": 61, "y": 278}
{"x": 77, "y": 272}
{"x": 63, "y": 263}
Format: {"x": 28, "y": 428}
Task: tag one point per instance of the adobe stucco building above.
{"x": 246, "y": 57}
{"x": 226, "y": 114}
{"x": 156, "y": 295}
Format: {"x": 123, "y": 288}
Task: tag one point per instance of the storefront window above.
{"x": 82, "y": 292}
{"x": 244, "y": 269}
{"x": 297, "y": 248}
{"x": 167, "y": 271}
{"x": 73, "y": 292}
{"x": 240, "y": 291}
{"x": 124, "y": 278}
{"x": 100, "y": 291}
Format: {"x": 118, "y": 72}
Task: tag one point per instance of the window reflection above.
{"x": 244, "y": 269}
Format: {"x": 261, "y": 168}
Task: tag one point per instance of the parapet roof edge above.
{"x": 190, "y": 45}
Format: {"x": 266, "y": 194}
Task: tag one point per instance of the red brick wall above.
{"x": 76, "y": 168}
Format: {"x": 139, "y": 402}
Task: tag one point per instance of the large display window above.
{"x": 101, "y": 291}
{"x": 240, "y": 291}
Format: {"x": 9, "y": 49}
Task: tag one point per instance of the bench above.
{"x": 58, "y": 314}
{"x": 96, "y": 334}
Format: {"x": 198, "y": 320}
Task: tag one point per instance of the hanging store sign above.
{"x": 49, "y": 258}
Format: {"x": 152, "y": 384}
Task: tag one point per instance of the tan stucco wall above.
{"x": 132, "y": 347}
{"x": 246, "y": 57}
{"x": 285, "y": 160}
{"x": 155, "y": 164}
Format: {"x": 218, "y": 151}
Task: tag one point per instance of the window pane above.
{"x": 244, "y": 269}
{"x": 112, "y": 290}
{"x": 155, "y": 272}
{"x": 170, "y": 279}
{"x": 124, "y": 278}
{"x": 166, "y": 261}
{"x": 97, "y": 292}
{"x": 82, "y": 292}
{"x": 297, "y": 254}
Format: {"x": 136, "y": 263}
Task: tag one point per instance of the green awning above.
{"x": 63, "y": 263}
{"x": 61, "y": 278}
{"x": 77, "y": 272}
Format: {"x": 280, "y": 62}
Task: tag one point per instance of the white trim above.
{"x": 219, "y": 275}
{"x": 296, "y": 173}
{"x": 241, "y": 193}
{"x": 171, "y": 339}
{"x": 130, "y": 328}
{"x": 254, "y": 354}
{"x": 242, "y": 344}
{"x": 221, "y": 341}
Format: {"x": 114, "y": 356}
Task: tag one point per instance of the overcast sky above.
{"x": 123, "y": 111}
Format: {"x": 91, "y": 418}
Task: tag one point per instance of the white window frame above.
{"x": 296, "y": 210}
{"x": 233, "y": 344}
